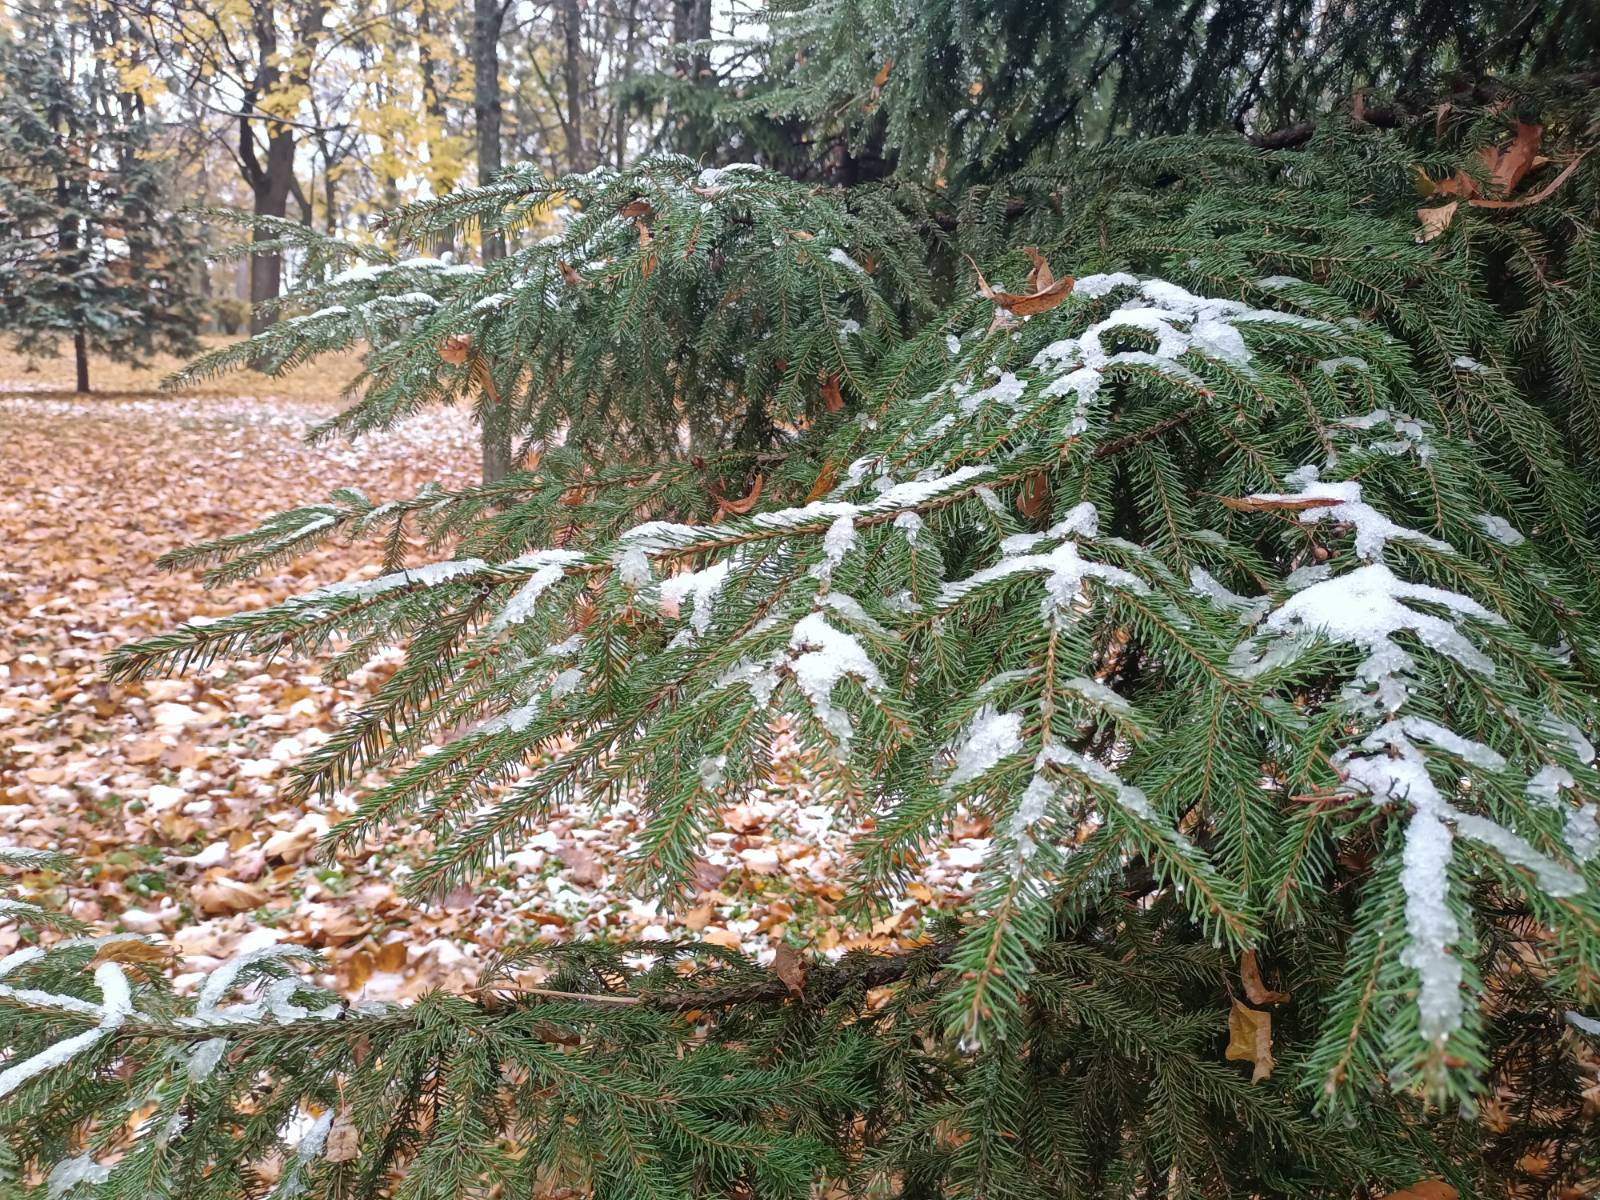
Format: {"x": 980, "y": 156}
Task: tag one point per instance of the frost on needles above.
{"x": 1185, "y": 615}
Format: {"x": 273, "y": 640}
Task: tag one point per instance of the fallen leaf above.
{"x": 132, "y": 950}
{"x": 391, "y": 957}
{"x": 826, "y": 478}
{"x": 744, "y": 503}
{"x": 1033, "y": 498}
{"x": 1436, "y": 220}
{"x": 456, "y": 348}
{"x": 580, "y": 864}
{"x": 344, "y": 1141}
{"x": 1254, "y": 988}
{"x": 832, "y": 397}
{"x": 1250, "y": 1040}
{"x": 708, "y": 875}
{"x": 698, "y": 917}
{"x": 218, "y": 896}
{"x": 718, "y": 936}
{"x": 878, "y": 80}
{"x": 1425, "y": 1189}
{"x": 1509, "y": 164}
{"x": 1041, "y": 299}
{"x": 1543, "y": 193}
{"x": 790, "y": 966}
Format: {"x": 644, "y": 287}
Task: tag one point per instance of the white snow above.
{"x": 838, "y": 256}
{"x": 990, "y": 737}
{"x": 827, "y": 656}
{"x": 1343, "y": 505}
{"x": 1500, "y": 529}
{"x": 700, "y": 586}
{"x": 548, "y": 568}
{"x": 70, "y": 1172}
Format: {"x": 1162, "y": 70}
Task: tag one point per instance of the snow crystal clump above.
{"x": 428, "y": 575}
{"x": 1203, "y": 583}
{"x": 991, "y": 737}
{"x": 548, "y": 566}
{"x": 1341, "y": 502}
{"x": 828, "y": 655}
{"x": 701, "y": 587}
{"x": 70, "y": 1172}
{"x": 1064, "y": 568}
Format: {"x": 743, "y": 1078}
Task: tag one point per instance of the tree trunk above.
{"x": 487, "y": 18}
{"x": 572, "y": 73}
{"x": 80, "y": 351}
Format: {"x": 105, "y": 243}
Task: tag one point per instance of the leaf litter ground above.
{"x": 167, "y": 793}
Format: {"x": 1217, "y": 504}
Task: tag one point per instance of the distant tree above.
{"x": 88, "y": 251}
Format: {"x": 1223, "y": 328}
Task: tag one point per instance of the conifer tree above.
{"x": 1194, "y": 513}
{"x": 89, "y": 254}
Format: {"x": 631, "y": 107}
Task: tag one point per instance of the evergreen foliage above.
{"x": 1245, "y": 587}
{"x": 88, "y": 251}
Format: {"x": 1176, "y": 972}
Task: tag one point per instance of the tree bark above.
{"x": 487, "y": 18}
{"x": 271, "y": 182}
{"x": 572, "y": 74}
{"x": 80, "y": 351}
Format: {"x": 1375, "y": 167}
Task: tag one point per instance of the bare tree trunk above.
{"x": 80, "y": 351}
{"x": 571, "y": 70}
{"x": 487, "y": 18}
{"x": 271, "y": 182}
{"x": 270, "y": 188}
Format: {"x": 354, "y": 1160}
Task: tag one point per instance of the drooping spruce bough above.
{"x": 1249, "y": 610}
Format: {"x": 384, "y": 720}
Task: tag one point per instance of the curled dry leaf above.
{"x": 1250, "y": 1040}
{"x": 344, "y": 1142}
{"x": 1425, "y": 1189}
{"x": 1436, "y": 220}
{"x": 133, "y": 950}
{"x": 1256, "y": 990}
{"x": 744, "y": 503}
{"x": 1048, "y": 292}
{"x": 635, "y": 209}
{"x": 878, "y": 80}
{"x": 1033, "y": 499}
{"x": 789, "y": 965}
{"x": 832, "y": 397}
{"x": 456, "y": 348}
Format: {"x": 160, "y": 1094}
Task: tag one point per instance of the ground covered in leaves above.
{"x": 166, "y": 794}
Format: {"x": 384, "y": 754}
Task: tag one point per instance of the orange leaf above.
{"x": 744, "y": 503}
{"x": 1033, "y": 500}
{"x": 455, "y": 348}
{"x": 878, "y": 80}
{"x": 131, "y": 950}
{"x": 1041, "y": 277}
{"x": 637, "y": 208}
{"x": 832, "y": 398}
{"x": 1425, "y": 1189}
{"x": 1543, "y": 193}
{"x": 647, "y": 256}
{"x": 826, "y": 478}
{"x": 569, "y": 274}
{"x": 1254, "y": 988}
{"x": 1040, "y": 300}
{"x": 1507, "y": 166}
